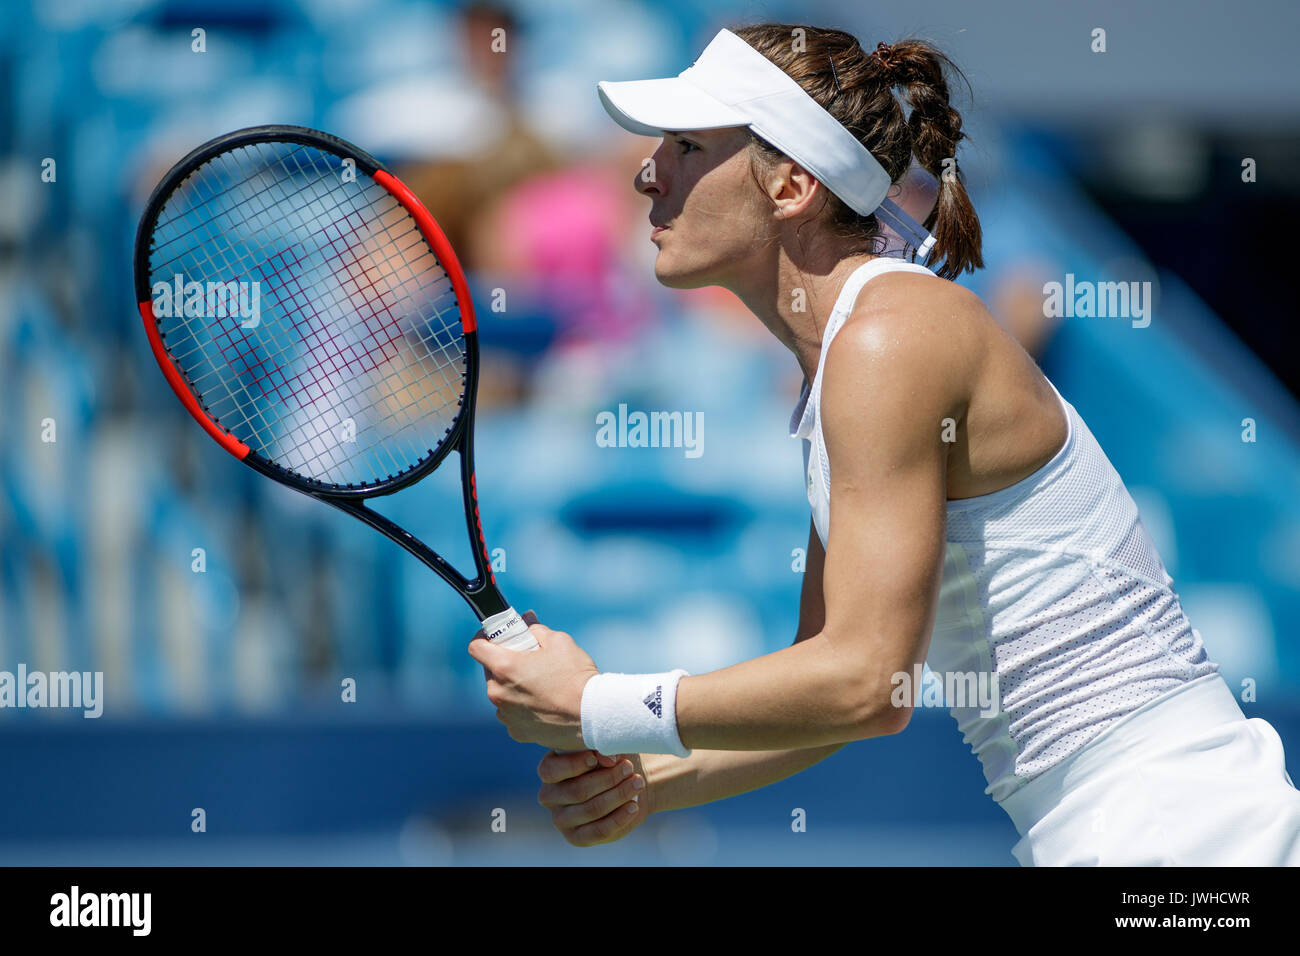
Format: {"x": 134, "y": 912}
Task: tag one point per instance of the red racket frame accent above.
{"x": 478, "y": 524}
{"x": 437, "y": 239}
{"x": 226, "y": 440}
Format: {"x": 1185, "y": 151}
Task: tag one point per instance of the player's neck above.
{"x": 795, "y": 300}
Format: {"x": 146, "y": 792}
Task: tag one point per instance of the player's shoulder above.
{"x": 903, "y": 299}
{"x": 913, "y": 325}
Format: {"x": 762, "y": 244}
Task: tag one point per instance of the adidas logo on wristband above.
{"x": 655, "y": 701}
{"x": 632, "y": 713}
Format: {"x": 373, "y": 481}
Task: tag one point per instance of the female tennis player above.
{"x": 976, "y": 522}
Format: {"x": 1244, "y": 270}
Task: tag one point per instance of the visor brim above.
{"x": 649, "y": 107}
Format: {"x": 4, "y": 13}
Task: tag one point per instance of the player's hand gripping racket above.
{"x": 310, "y": 314}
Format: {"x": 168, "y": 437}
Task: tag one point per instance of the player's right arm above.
{"x": 592, "y": 805}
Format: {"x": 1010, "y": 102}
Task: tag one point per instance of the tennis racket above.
{"x": 312, "y": 317}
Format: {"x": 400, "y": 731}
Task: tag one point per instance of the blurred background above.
{"x": 1169, "y": 157}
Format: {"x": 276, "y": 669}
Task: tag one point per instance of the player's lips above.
{"x": 656, "y": 229}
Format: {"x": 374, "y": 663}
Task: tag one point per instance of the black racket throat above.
{"x": 481, "y": 593}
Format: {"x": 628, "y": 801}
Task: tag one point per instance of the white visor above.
{"x": 732, "y": 84}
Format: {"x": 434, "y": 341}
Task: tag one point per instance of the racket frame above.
{"x": 480, "y": 592}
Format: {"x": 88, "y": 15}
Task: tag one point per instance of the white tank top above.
{"x": 1051, "y": 586}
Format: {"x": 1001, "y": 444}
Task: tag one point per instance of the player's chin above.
{"x": 674, "y": 276}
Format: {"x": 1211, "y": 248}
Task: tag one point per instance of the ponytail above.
{"x": 935, "y": 127}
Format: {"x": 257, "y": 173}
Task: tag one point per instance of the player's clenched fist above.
{"x": 593, "y": 799}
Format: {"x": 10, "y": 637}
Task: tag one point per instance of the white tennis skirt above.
{"x": 1185, "y": 780}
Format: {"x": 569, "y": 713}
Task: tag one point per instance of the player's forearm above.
{"x": 809, "y": 695}
{"x": 674, "y": 783}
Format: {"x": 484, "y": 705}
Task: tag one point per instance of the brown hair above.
{"x": 857, "y": 88}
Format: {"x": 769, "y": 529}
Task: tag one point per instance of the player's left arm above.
{"x": 893, "y": 375}
{"x": 890, "y": 381}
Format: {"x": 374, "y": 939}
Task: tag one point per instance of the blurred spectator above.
{"x": 457, "y": 187}
{"x": 1016, "y": 301}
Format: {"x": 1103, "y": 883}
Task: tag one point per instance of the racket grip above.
{"x": 509, "y": 630}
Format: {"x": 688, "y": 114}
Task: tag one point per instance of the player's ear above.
{"x": 791, "y": 188}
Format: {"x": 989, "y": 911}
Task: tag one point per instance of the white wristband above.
{"x": 632, "y": 713}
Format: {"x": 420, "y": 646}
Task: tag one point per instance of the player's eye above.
{"x": 686, "y": 146}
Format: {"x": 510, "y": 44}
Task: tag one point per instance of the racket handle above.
{"x": 509, "y": 630}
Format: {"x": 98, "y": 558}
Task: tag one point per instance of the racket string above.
{"x": 353, "y": 277}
